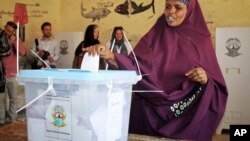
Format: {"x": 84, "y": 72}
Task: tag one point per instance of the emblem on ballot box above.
{"x": 59, "y": 115}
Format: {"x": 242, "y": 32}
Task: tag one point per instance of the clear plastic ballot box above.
{"x": 75, "y": 105}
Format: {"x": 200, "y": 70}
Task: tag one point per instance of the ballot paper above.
{"x": 90, "y": 63}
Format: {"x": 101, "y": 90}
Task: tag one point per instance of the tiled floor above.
{"x": 17, "y": 131}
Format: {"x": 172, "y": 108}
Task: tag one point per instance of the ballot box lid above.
{"x": 77, "y": 76}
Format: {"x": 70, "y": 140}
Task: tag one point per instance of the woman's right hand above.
{"x": 99, "y": 50}
{"x": 103, "y": 51}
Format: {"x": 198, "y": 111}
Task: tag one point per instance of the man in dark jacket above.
{"x": 5, "y": 47}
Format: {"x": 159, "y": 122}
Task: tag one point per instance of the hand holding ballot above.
{"x": 103, "y": 51}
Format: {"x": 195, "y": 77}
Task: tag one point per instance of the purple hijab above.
{"x": 185, "y": 110}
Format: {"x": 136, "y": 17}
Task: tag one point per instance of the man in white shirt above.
{"x": 46, "y": 47}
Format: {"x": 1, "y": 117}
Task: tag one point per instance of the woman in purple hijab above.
{"x": 178, "y": 56}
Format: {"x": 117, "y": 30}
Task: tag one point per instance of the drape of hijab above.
{"x": 119, "y": 46}
{"x": 185, "y": 110}
{"x": 89, "y": 39}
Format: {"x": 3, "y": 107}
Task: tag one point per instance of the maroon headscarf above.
{"x": 185, "y": 110}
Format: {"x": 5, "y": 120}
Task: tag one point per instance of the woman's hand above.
{"x": 102, "y": 51}
{"x": 197, "y": 75}
{"x": 99, "y": 50}
{"x": 94, "y": 50}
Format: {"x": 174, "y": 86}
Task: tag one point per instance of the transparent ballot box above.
{"x": 75, "y": 105}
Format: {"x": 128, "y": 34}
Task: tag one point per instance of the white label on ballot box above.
{"x": 58, "y": 117}
{"x": 115, "y": 115}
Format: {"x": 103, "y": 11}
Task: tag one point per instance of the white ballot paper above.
{"x": 90, "y": 63}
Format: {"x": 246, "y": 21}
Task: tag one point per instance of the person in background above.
{"x": 90, "y": 38}
{"x": 46, "y": 48}
{"x": 178, "y": 56}
{"x": 9, "y": 65}
{"x": 120, "y": 44}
